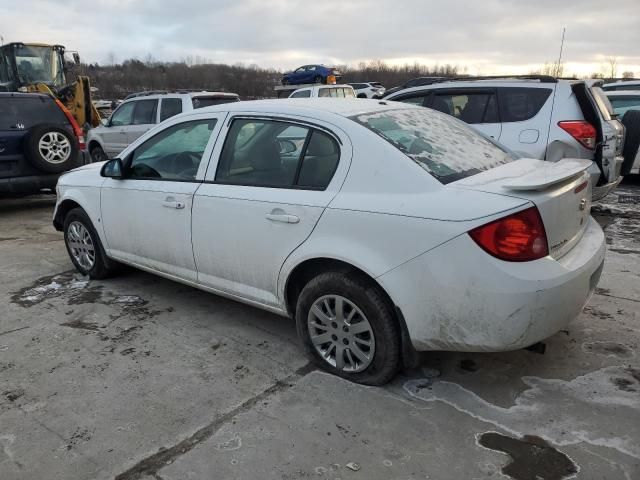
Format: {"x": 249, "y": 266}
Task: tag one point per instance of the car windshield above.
{"x": 39, "y": 64}
{"x": 445, "y": 147}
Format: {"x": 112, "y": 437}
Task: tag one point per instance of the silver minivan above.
{"x": 142, "y": 111}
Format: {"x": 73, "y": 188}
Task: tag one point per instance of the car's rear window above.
{"x": 29, "y": 111}
{"x": 201, "y": 102}
{"x": 445, "y": 147}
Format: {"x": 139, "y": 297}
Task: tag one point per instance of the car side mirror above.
{"x": 112, "y": 169}
{"x": 104, "y": 122}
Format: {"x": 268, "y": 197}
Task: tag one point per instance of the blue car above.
{"x": 310, "y": 74}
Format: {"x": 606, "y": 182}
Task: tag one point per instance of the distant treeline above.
{"x": 252, "y": 82}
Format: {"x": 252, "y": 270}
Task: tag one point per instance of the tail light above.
{"x": 77, "y": 131}
{"x": 582, "y": 131}
{"x": 516, "y": 238}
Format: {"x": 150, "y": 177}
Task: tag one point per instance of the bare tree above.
{"x": 627, "y": 74}
{"x": 612, "y": 64}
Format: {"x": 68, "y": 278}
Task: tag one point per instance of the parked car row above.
{"x": 383, "y": 228}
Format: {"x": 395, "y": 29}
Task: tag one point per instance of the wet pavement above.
{"x": 137, "y": 377}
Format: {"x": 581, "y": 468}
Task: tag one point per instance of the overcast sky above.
{"x": 489, "y": 36}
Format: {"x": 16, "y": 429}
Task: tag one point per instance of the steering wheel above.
{"x": 142, "y": 170}
{"x": 188, "y": 173}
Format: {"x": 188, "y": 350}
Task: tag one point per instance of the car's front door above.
{"x": 145, "y": 116}
{"x": 147, "y": 215}
{"x": 475, "y": 106}
{"x": 272, "y": 181}
{"x": 114, "y": 134}
{"x": 298, "y": 75}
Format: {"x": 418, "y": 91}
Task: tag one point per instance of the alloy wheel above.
{"x": 81, "y": 245}
{"x": 341, "y": 333}
{"x": 54, "y": 147}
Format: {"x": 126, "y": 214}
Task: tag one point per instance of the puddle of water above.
{"x": 532, "y": 458}
{"x": 592, "y": 408}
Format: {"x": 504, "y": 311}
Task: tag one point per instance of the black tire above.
{"x": 317, "y": 79}
{"x": 631, "y": 122}
{"x": 370, "y": 299}
{"x": 362, "y": 95}
{"x": 66, "y": 157}
{"x": 97, "y": 154}
{"x": 103, "y": 266}
{"x": 285, "y": 82}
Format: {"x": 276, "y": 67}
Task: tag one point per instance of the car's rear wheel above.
{"x": 631, "y": 121}
{"x": 97, "y": 154}
{"x": 84, "y": 246}
{"x": 51, "y": 149}
{"x": 317, "y": 79}
{"x": 348, "y": 328}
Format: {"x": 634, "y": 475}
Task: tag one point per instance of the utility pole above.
{"x": 560, "y": 56}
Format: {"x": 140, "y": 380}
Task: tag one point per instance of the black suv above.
{"x": 39, "y": 139}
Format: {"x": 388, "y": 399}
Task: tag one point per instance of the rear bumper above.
{"x": 28, "y": 184}
{"x": 25, "y": 184}
{"x": 457, "y": 297}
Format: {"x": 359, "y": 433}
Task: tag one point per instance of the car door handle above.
{"x": 282, "y": 217}
{"x": 173, "y": 204}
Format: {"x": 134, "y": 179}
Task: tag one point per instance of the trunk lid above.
{"x": 560, "y": 190}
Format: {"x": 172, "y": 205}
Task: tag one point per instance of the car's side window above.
{"x": 470, "y": 107}
{"x": 267, "y": 153}
{"x": 319, "y": 162}
{"x": 324, "y": 92}
{"x": 349, "y": 93}
{"x": 519, "y": 104}
{"x": 301, "y": 94}
{"x": 173, "y": 154}
{"x": 145, "y": 112}
{"x": 170, "y": 107}
{"x": 415, "y": 99}
{"x": 311, "y": 68}
{"x": 123, "y": 115}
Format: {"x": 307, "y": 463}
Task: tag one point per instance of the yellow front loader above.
{"x": 36, "y": 67}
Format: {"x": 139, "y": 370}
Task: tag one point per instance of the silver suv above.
{"x": 535, "y": 116}
{"x": 142, "y": 111}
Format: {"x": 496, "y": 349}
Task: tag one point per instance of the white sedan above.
{"x": 382, "y": 227}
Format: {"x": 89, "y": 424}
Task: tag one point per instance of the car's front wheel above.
{"x": 348, "y": 328}
{"x": 84, "y": 246}
{"x": 97, "y": 154}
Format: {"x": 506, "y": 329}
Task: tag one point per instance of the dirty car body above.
{"x": 382, "y": 228}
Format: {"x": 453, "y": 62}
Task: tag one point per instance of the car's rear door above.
{"x": 262, "y": 198}
{"x": 147, "y": 215}
{"x": 476, "y": 106}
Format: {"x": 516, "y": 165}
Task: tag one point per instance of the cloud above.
{"x": 489, "y": 36}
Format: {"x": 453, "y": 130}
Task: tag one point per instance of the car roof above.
{"x": 622, "y": 82}
{"x": 344, "y": 107}
{"x": 622, "y": 93}
{"x": 177, "y": 93}
{"x": 519, "y": 82}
